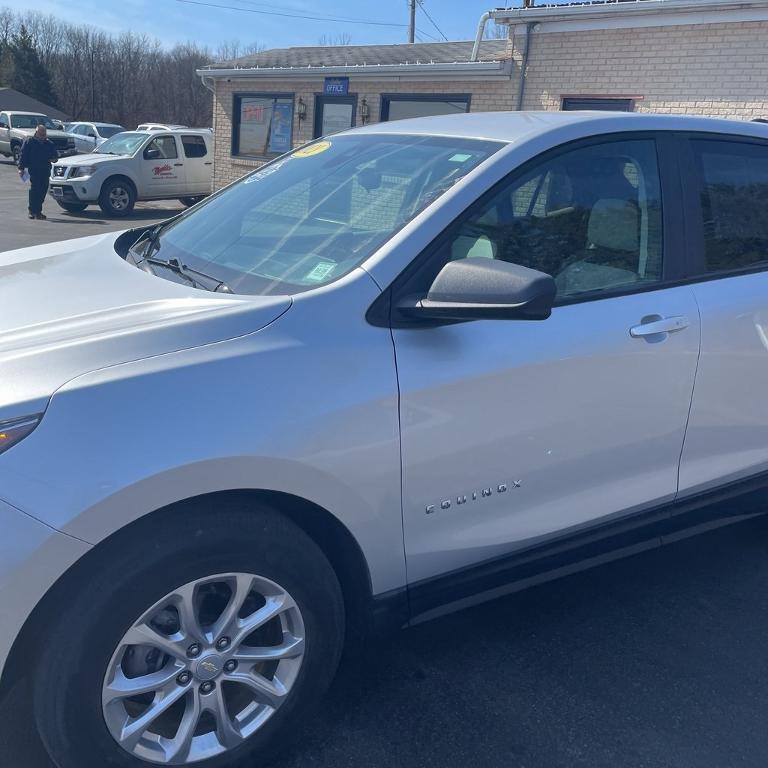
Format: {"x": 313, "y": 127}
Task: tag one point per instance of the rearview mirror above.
{"x": 151, "y": 154}
{"x": 486, "y": 289}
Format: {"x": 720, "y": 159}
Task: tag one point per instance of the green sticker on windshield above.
{"x": 460, "y": 158}
{"x": 320, "y": 271}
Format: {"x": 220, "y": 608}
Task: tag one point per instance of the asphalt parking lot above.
{"x": 18, "y": 231}
{"x": 658, "y": 661}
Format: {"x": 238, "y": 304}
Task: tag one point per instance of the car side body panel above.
{"x": 276, "y": 410}
{"x": 727, "y": 436}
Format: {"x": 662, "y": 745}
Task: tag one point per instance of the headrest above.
{"x": 614, "y": 224}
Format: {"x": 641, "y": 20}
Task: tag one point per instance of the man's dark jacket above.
{"x": 37, "y": 156}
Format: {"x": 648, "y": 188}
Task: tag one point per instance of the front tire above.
{"x": 167, "y": 655}
{"x": 117, "y": 197}
{"x": 73, "y": 207}
{"x": 16, "y": 153}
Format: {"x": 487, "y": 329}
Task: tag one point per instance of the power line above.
{"x": 294, "y": 15}
{"x": 427, "y": 34}
{"x": 426, "y": 13}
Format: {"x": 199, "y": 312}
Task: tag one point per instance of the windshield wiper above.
{"x": 185, "y": 271}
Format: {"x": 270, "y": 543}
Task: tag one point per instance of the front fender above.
{"x": 307, "y": 406}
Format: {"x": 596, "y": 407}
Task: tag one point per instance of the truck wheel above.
{"x": 117, "y": 197}
{"x": 203, "y": 649}
{"x": 190, "y": 201}
{"x": 16, "y": 152}
{"x": 73, "y": 207}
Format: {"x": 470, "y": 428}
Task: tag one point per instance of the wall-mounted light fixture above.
{"x": 301, "y": 110}
{"x": 365, "y": 111}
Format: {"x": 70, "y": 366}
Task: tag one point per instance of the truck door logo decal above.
{"x": 162, "y": 170}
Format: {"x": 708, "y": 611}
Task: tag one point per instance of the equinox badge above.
{"x": 484, "y": 493}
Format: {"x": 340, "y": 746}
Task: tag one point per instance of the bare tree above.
{"x": 341, "y": 38}
{"x": 497, "y": 32}
{"x": 229, "y": 50}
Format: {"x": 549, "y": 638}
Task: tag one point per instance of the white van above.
{"x": 136, "y": 165}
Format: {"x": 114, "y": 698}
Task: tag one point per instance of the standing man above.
{"x": 37, "y": 154}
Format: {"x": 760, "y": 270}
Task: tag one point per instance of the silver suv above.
{"x": 394, "y": 372}
{"x": 15, "y": 127}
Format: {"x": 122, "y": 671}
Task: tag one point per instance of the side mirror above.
{"x": 151, "y": 154}
{"x": 486, "y": 289}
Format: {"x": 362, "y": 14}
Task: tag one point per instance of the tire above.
{"x": 117, "y": 197}
{"x": 73, "y": 207}
{"x": 190, "y": 201}
{"x": 16, "y": 153}
{"x": 129, "y": 580}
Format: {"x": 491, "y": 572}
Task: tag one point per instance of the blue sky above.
{"x": 174, "y": 21}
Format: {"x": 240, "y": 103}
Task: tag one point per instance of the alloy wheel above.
{"x": 119, "y": 198}
{"x": 203, "y": 669}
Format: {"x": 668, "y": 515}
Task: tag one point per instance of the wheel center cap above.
{"x": 209, "y": 667}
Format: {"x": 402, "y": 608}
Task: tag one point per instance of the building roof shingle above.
{"x": 358, "y": 55}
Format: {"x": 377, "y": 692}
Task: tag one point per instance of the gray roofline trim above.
{"x": 460, "y": 70}
{"x": 627, "y": 13}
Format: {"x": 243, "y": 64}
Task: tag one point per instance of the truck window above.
{"x": 194, "y": 146}
{"x": 166, "y": 145}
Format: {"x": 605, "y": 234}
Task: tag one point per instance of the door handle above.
{"x": 210, "y": 162}
{"x": 178, "y": 165}
{"x": 655, "y": 324}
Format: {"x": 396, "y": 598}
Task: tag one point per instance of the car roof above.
{"x": 174, "y": 131}
{"x": 515, "y": 126}
{"x": 24, "y": 112}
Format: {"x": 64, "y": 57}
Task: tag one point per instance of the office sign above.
{"x": 336, "y": 86}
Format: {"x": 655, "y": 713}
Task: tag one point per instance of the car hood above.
{"x": 91, "y": 158}
{"x": 52, "y": 134}
{"x": 72, "y": 307}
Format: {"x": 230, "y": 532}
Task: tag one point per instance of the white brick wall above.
{"x": 706, "y": 69}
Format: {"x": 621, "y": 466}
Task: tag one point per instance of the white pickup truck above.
{"x": 136, "y": 165}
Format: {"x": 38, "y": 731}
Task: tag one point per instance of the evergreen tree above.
{"x": 28, "y": 75}
{"x": 6, "y": 65}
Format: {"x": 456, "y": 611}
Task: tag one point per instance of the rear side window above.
{"x": 194, "y": 146}
{"x": 734, "y": 203}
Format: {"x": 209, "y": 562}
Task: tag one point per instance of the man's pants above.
{"x": 38, "y": 189}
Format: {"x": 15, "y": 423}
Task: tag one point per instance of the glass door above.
{"x": 334, "y": 114}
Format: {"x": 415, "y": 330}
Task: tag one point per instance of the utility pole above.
{"x": 412, "y": 23}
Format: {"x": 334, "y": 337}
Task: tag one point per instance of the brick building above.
{"x": 687, "y": 56}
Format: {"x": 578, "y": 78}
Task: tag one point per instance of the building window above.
{"x": 398, "y": 106}
{"x": 334, "y": 114}
{"x": 262, "y": 125}
{"x": 572, "y": 103}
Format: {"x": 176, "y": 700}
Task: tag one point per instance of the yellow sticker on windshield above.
{"x": 312, "y": 149}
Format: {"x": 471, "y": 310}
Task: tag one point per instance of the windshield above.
{"x": 122, "y": 143}
{"x": 312, "y": 216}
{"x": 105, "y": 131}
{"x": 32, "y": 121}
